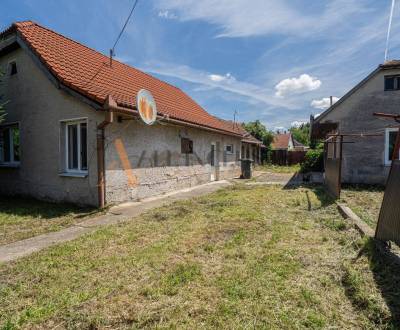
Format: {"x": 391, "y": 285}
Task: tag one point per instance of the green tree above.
{"x": 259, "y": 131}
{"x": 301, "y": 133}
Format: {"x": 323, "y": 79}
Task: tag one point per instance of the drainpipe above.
{"x": 101, "y": 173}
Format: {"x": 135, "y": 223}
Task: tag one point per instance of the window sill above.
{"x": 9, "y": 165}
{"x": 74, "y": 174}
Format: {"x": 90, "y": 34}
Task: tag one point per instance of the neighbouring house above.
{"x": 286, "y": 150}
{"x": 297, "y": 146}
{"x": 252, "y": 148}
{"x": 283, "y": 141}
{"x": 365, "y": 159}
{"x": 75, "y": 132}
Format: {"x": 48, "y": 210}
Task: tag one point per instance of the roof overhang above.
{"x": 11, "y": 40}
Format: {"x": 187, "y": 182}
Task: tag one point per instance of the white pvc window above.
{"x": 390, "y": 141}
{"x": 9, "y": 145}
{"x": 76, "y": 146}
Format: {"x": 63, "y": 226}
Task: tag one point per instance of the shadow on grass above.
{"x": 29, "y": 207}
{"x": 363, "y": 187}
{"x": 385, "y": 266}
{"x": 296, "y": 182}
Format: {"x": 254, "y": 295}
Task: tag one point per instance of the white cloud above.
{"x": 304, "y": 83}
{"x": 239, "y": 18}
{"x": 279, "y": 129}
{"x": 323, "y": 103}
{"x": 297, "y": 123}
{"x": 227, "y": 83}
{"x": 167, "y": 14}
{"x": 218, "y": 78}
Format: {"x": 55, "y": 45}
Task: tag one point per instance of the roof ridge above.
{"x": 73, "y": 63}
{"x": 90, "y": 48}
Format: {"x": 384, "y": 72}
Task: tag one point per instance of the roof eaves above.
{"x": 348, "y": 94}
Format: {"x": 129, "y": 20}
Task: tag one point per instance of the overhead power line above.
{"x": 112, "y": 50}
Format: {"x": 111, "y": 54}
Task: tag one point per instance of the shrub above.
{"x": 313, "y": 161}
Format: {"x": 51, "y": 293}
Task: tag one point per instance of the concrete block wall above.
{"x": 364, "y": 160}
{"x": 156, "y": 162}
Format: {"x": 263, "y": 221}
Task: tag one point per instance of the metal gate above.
{"x": 333, "y": 165}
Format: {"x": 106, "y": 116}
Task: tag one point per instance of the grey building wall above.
{"x": 364, "y": 160}
{"x": 38, "y": 106}
{"x": 156, "y": 164}
{"x": 153, "y": 152}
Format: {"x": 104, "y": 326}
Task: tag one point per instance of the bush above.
{"x": 313, "y": 161}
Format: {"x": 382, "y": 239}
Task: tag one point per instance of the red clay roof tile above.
{"x": 281, "y": 141}
{"x": 88, "y": 72}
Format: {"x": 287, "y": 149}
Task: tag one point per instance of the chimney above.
{"x": 331, "y": 100}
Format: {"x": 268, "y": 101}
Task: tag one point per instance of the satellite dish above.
{"x": 146, "y": 106}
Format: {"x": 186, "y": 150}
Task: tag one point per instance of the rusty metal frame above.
{"x": 333, "y": 166}
{"x": 388, "y": 226}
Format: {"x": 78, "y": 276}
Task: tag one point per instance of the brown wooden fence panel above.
{"x": 388, "y": 228}
{"x": 332, "y": 177}
{"x": 285, "y": 157}
{"x": 296, "y": 157}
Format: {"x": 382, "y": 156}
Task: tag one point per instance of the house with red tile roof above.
{"x": 251, "y": 146}
{"x": 86, "y": 129}
{"x": 282, "y": 142}
{"x": 286, "y": 141}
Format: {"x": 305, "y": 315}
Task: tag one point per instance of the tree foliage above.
{"x": 301, "y": 133}
{"x": 259, "y": 131}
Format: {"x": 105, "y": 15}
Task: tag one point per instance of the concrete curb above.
{"x": 347, "y": 213}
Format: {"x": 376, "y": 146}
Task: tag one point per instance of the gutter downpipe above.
{"x": 101, "y": 175}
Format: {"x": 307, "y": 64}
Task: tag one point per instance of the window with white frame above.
{"x": 9, "y": 145}
{"x": 229, "y": 149}
{"x": 390, "y": 141}
{"x": 76, "y": 146}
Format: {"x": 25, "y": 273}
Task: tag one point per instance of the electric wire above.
{"x": 123, "y": 28}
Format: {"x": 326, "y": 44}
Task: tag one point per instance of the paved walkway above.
{"x": 117, "y": 214}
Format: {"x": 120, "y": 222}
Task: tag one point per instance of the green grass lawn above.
{"x": 279, "y": 169}
{"x": 365, "y": 201}
{"x": 242, "y": 257}
{"x": 22, "y": 218}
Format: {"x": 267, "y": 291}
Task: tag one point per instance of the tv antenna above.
{"x": 389, "y": 28}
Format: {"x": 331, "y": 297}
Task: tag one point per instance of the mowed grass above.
{"x": 365, "y": 201}
{"x": 262, "y": 257}
{"x": 22, "y": 218}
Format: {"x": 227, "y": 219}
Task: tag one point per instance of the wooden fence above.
{"x": 285, "y": 157}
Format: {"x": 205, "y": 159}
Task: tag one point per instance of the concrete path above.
{"x": 117, "y": 214}
{"x": 285, "y": 179}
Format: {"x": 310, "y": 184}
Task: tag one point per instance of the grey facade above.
{"x": 366, "y": 160}
{"x": 151, "y": 163}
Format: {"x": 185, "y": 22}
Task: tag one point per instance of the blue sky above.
{"x": 277, "y": 61}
